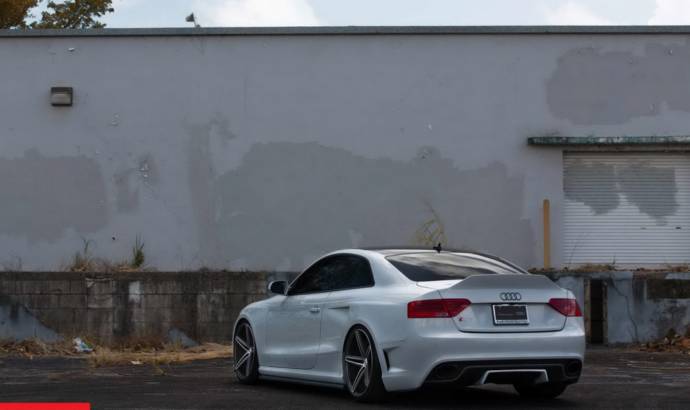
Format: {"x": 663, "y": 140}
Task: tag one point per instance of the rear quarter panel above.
{"x": 382, "y": 311}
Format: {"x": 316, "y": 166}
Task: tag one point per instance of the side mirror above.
{"x": 277, "y": 287}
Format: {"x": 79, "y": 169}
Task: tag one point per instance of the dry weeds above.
{"x": 33, "y": 347}
{"x": 672, "y": 342}
{"x": 106, "y": 357}
{"x": 141, "y": 352}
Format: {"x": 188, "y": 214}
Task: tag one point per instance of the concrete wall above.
{"x": 111, "y": 308}
{"x": 202, "y": 306}
{"x": 640, "y": 307}
{"x": 264, "y": 151}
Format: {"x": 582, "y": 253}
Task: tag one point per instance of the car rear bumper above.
{"x": 506, "y": 371}
{"x": 435, "y": 351}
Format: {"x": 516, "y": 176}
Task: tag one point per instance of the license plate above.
{"x": 510, "y": 315}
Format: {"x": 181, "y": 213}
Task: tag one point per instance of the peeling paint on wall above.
{"x": 148, "y": 171}
{"x": 126, "y": 193}
{"x": 134, "y": 292}
{"x": 602, "y": 196}
{"x": 64, "y": 192}
{"x": 599, "y": 186}
{"x": 200, "y": 181}
{"x": 217, "y": 128}
{"x": 197, "y": 121}
{"x": 144, "y": 173}
{"x": 591, "y": 86}
{"x": 288, "y": 200}
{"x": 665, "y": 189}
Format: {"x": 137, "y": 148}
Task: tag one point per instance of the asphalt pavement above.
{"x": 612, "y": 379}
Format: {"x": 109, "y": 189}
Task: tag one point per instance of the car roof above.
{"x": 395, "y": 250}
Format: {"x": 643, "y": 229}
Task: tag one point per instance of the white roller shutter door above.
{"x": 626, "y": 208}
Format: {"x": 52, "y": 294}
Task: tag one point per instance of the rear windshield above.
{"x": 428, "y": 266}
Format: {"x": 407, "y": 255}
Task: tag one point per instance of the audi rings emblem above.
{"x": 511, "y": 296}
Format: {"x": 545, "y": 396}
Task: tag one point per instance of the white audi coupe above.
{"x": 376, "y": 321}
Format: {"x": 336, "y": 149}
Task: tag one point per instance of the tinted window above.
{"x": 429, "y": 266}
{"x": 307, "y": 282}
{"x": 347, "y": 272}
{"x": 334, "y": 273}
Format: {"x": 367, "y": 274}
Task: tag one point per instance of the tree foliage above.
{"x": 13, "y": 13}
{"x": 64, "y": 14}
{"x": 74, "y": 14}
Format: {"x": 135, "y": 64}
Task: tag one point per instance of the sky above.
{"x": 210, "y": 13}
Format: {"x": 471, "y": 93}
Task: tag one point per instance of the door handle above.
{"x": 314, "y": 310}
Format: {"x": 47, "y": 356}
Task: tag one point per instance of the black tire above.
{"x": 361, "y": 368}
{"x": 541, "y": 391}
{"x": 246, "y": 361}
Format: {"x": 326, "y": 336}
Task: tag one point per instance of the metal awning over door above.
{"x": 626, "y": 208}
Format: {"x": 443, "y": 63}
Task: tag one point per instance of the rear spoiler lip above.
{"x": 480, "y": 282}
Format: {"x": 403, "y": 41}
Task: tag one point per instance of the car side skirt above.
{"x": 300, "y": 376}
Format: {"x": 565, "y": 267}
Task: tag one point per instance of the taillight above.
{"x": 431, "y": 308}
{"x": 566, "y": 307}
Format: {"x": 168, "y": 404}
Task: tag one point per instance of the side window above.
{"x": 307, "y": 282}
{"x": 347, "y": 272}
{"x": 335, "y": 272}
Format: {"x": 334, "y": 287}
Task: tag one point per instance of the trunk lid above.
{"x": 485, "y": 291}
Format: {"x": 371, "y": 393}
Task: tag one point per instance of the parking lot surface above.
{"x": 611, "y": 379}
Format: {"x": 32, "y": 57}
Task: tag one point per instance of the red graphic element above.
{"x": 45, "y": 406}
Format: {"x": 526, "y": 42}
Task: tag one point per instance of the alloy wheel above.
{"x": 244, "y": 351}
{"x": 359, "y": 362}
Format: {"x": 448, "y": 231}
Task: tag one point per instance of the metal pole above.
{"x": 547, "y": 234}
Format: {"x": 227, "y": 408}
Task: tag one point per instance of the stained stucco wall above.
{"x": 126, "y": 306}
{"x": 262, "y": 152}
{"x": 640, "y": 307}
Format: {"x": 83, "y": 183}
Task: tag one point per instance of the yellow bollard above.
{"x": 547, "y": 234}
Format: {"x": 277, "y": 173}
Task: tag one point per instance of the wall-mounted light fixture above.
{"x": 61, "y": 96}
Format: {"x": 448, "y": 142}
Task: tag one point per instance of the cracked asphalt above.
{"x": 612, "y": 379}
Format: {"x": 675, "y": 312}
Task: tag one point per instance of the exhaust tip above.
{"x": 573, "y": 368}
{"x": 445, "y": 372}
